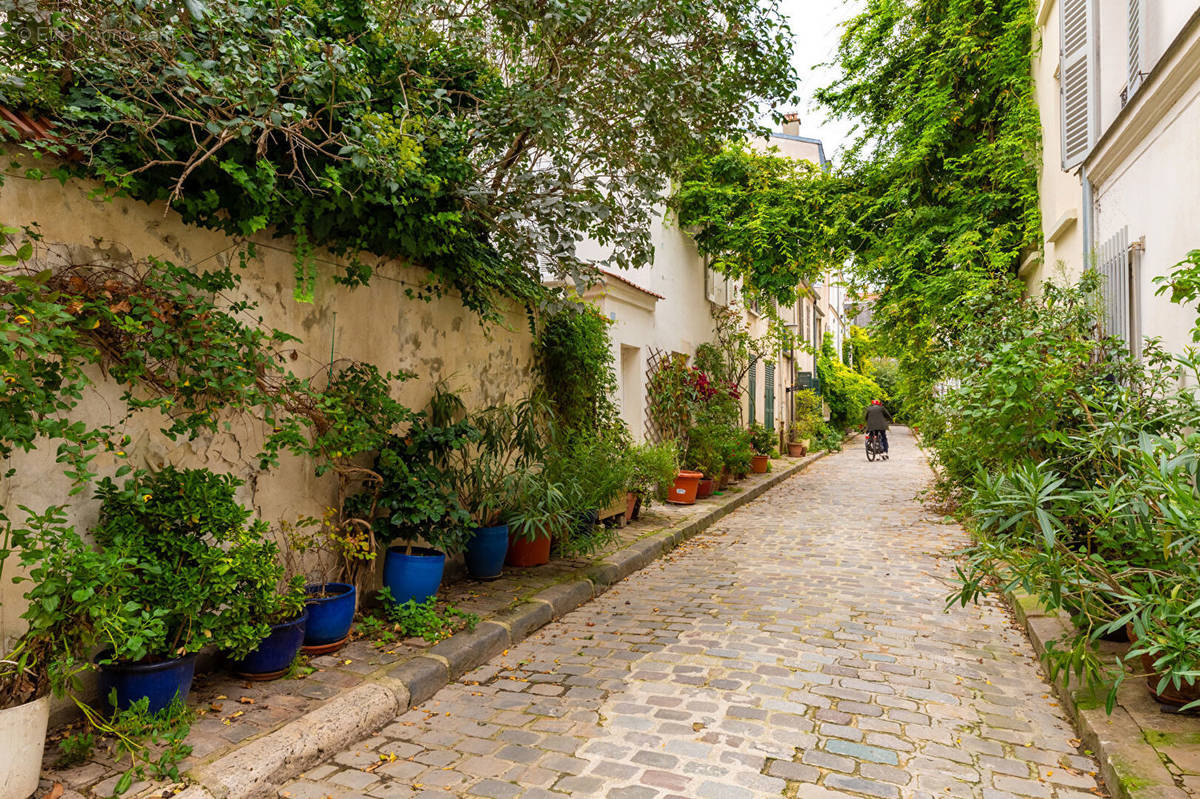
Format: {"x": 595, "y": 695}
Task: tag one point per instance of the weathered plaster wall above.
{"x": 437, "y": 340}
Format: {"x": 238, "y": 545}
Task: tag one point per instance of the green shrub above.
{"x": 195, "y": 568}
{"x": 653, "y": 468}
{"x": 847, "y": 392}
{"x": 762, "y": 439}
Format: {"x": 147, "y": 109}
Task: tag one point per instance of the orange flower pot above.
{"x": 684, "y": 490}
{"x": 758, "y": 464}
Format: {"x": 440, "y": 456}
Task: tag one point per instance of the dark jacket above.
{"x": 877, "y": 417}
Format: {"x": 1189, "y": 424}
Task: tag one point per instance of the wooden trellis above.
{"x": 653, "y": 361}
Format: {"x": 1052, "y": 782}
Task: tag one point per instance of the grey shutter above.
{"x": 1135, "y": 45}
{"x": 1077, "y": 80}
{"x": 1114, "y": 268}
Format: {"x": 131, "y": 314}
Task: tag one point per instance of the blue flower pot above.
{"x": 329, "y": 617}
{"x": 485, "y": 552}
{"x": 416, "y": 576}
{"x": 274, "y": 653}
{"x": 158, "y": 682}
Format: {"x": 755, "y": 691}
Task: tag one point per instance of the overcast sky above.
{"x": 816, "y": 26}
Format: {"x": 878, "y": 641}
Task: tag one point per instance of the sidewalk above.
{"x": 250, "y": 736}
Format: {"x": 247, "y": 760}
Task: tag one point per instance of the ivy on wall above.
{"x": 481, "y": 140}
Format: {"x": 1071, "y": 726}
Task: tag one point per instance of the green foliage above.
{"x": 193, "y": 572}
{"x": 151, "y": 743}
{"x": 886, "y": 373}
{"x": 424, "y": 620}
{"x": 861, "y": 351}
{"x": 1184, "y": 285}
{"x": 576, "y": 360}
{"x": 826, "y": 437}
{"x": 703, "y": 452}
{"x": 762, "y": 439}
{"x": 653, "y": 468}
{"x": 73, "y": 593}
{"x": 737, "y": 450}
{"x": 491, "y": 476}
{"x": 806, "y": 420}
{"x": 761, "y": 218}
{"x": 473, "y": 139}
{"x": 847, "y": 392}
{"x": 1078, "y": 466}
{"x": 416, "y": 496}
{"x": 942, "y": 196}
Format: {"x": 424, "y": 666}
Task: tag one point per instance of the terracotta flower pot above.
{"x": 706, "y": 488}
{"x": 630, "y": 506}
{"x": 522, "y": 552}
{"x": 797, "y": 449}
{"x": 758, "y": 464}
{"x": 684, "y": 490}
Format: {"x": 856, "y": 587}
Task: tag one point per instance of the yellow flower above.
{"x": 22, "y": 319}
{"x": 146, "y": 497}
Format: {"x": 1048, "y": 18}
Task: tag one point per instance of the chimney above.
{"x": 791, "y": 124}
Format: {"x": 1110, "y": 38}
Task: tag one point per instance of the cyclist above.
{"x": 877, "y": 419}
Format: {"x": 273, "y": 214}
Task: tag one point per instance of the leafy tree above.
{"x": 944, "y": 200}
{"x": 479, "y": 139}
{"x": 762, "y": 218}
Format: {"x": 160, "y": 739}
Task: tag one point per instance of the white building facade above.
{"x": 667, "y": 308}
{"x": 1118, "y": 90}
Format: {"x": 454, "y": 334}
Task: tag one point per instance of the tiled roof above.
{"x": 630, "y": 283}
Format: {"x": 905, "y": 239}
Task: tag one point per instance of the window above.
{"x": 1077, "y": 80}
{"x": 1120, "y": 265}
{"x": 716, "y": 287}
{"x": 769, "y": 397}
{"x": 753, "y": 389}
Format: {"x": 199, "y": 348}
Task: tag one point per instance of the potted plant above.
{"x": 763, "y": 441}
{"x": 736, "y": 452}
{"x": 417, "y": 502}
{"x": 325, "y": 554}
{"x": 653, "y": 468}
{"x": 507, "y": 442}
{"x": 280, "y": 603}
{"x": 806, "y": 422}
{"x": 71, "y": 596}
{"x": 703, "y": 455}
{"x": 193, "y": 566}
{"x": 541, "y": 507}
{"x": 591, "y": 466}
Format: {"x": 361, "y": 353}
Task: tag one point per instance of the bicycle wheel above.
{"x": 870, "y": 449}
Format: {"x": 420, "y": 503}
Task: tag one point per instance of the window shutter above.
{"x": 769, "y": 397}
{"x": 753, "y": 388}
{"x": 1077, "y": 80}
{"x": 1135, "y": 45}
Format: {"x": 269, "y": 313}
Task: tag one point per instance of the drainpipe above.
{"x": 1086, "y": 220}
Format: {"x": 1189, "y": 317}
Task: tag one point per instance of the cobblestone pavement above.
{"x": 797, "y": 649}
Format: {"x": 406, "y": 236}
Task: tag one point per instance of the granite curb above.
{"x": 1129, "y": 765}
{"x": 258, "y": 767}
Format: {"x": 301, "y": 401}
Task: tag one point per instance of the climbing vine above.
{"x": 479, "y": 140}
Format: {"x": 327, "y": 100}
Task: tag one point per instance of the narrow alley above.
{"x": 799, "y": 648}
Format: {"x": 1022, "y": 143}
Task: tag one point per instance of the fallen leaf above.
{"x": 245, "y": 700}
{"x": 55, "y": 792}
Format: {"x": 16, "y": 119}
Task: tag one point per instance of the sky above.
{"x": 816, "y": 26}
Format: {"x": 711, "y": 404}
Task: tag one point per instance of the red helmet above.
{"x": 876, "y": 402}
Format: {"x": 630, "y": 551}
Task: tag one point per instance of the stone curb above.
{"x": 1130, "y": 767}
{"x": 262, "y": 764}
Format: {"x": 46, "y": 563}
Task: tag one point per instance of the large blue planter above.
{"x": 416, "y": 576}
{"x": 158, "y": 682}
{"x": 275, "y": 653}
{"x": 485, "y": 552}
{"x": 329, "y": 617}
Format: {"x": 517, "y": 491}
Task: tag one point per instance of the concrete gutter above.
{"x": 262, "y": 764}
{"x": 1130, "y": 766}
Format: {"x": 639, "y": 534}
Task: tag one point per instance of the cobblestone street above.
{"x": 799, "y": 648}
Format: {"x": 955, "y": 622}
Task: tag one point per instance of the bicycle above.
{"x": 874, "y": 444}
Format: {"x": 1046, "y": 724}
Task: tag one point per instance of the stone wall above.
{"x": 438, "y": 340}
